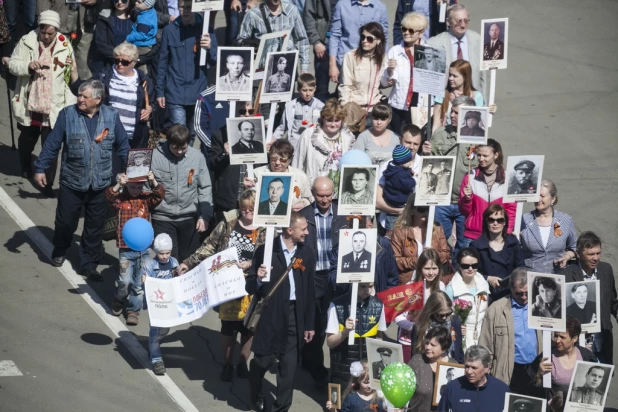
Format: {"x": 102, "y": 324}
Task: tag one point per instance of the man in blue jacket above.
{"x": 91, "y": 133}
{"x": 477, "y": 390}
{"x": 180, "y": 78}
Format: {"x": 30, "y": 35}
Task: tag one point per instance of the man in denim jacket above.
{"x": 91, "y": 132}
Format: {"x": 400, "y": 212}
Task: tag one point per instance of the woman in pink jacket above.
{"x": 485, "y": 185}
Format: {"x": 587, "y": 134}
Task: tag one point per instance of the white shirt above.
{"x": 289, "y": 254}
{"x": 332, "y": 326}
{"x": 463, "y": 45}
{"x": 272, "y": 207}
{"x": 544, "y": 234}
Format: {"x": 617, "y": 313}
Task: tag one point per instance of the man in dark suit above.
{"x": 287, "y": 322}
{"x": 385, "y": 360}
{"x": 246, "y": 144}
{"x": 494, "y": 48}
{"x": 274, "y": 205}
{"x": 590, "y": 267}
{"x": 359, "y": 260}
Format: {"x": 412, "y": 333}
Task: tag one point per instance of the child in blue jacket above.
{"x": 399, "y": 181}
{"x": 144, "y": 31}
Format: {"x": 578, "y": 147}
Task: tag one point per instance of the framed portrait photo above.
{"x": 269, "y": 43}
{"x": 234, "y": 74}
{"x": 206, "y": 5}
{"x": 583, "y": 302}
{"x": 521, "y": 403}
{"x": 334, "y": 394}
{"x": 435, "y": 181}
{"x": 245, "y": 137}
{"x": 523, "y": 176}
{"x": 445, "y": 372}
{"x": 273, "y": 206}
{"x": 472, "y": 125}
{"x": 357, "y": 190}
{"x": 495, "y": 41}
{"x": 546, "y": 308}
{"x": 357, "y": 255}
{"x": 380, "y": 354}
{"x": 278, "y": 84}
{"x": 138, "y": 164}
{"x": 429, "y": 70}
{"x": 589, "y": 387}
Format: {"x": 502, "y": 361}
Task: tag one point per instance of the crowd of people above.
{"x": 95, "y": 80}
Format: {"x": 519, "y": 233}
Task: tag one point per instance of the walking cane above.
{"x": 8, "y": 95}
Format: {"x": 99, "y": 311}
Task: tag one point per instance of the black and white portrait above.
{"x": 583, "y": 303}
{"x": 589, "y": 386}
{"x": 522, "y": 403}
{"x": 380, "y": 354}
{"x": 234, "y": 73}
{"x": 429, "y": 70}
{"x": 494, "y": 42}
{"x": 524, "y": 174}
{"x": 334, "y": 394}
{"x": 357, "y": 254}
{"x": 273, "y": 204}
{"x": 246, "y": 140}
{"x": 138, "y": 164}
{"x": 435, "y": 181}
{"x": 445, "y": 373}
{"x": 472, "y": 125}
{"x": 546, "y": 303}
{"x": 357, "y": 190}
{"x": 206, "y": 5}
{"x": 269, "y": 43}
{"x": 279, "y": 76}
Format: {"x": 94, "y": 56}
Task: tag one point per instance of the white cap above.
{"x": 162, "y": 242}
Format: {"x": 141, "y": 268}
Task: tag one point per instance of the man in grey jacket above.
{"x": 316, "y": 18}
{"x": 187, "y": 206}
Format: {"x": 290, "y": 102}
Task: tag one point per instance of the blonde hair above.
{"x": 356, "y": 381}
{"x": 127, "y": 49}
{"x": 415, "y": 20}
{"x": 405, "y": 218}
{"x": 247, "y": 198}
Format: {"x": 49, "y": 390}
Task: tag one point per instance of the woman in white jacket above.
{"x": 469, "y": 285}
{"x": 38, "y": 62}
{"x": 321, "y": 146}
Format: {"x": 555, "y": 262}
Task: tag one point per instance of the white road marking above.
{"x": 96, "y": 304}
{"x": 8, "y": 368}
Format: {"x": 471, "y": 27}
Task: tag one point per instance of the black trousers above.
{"x": 521, "y": 384}
{"x": 70, "y": 203}
{"x": 185, "y": 239}
{"x": 285, "y": 371}
{"x": 607, "y": 352}
{"x": 400, "y": 119}
{"x": 26, "y": 143}
{"x": 313, "y": 352}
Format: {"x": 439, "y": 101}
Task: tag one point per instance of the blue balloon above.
{"x": 355, "y": 157}
{"x": 138, "y": 234}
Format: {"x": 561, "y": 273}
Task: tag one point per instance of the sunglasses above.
{"x": 466, "y": 266}
{"x": 411, "y": 31}
{"x": 443, "y": 315}
{"x": 499, "y": 220}
{"x": 246, "y": 111}
{"x": 370, "y": 39}
{"x": 521, "y": 294}
{"x": 123, "y": 62}
{"x": 422, "y": 209}
{"x": 121, "y": 1}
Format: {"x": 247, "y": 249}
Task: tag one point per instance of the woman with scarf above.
{"x": 39, "y": 63}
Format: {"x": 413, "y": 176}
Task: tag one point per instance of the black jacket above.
{"x": 140, "y": 136}
{"x": 499, "y": 264}
{"x": 338, "y": 223}
{"x": 271, "y": 334}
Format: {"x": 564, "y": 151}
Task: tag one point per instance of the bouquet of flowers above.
{"x": 462, "y": 309}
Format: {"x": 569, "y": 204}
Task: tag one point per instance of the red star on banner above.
{"x": 159, "y": 294}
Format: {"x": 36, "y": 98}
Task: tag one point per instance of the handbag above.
{"x": 355, "y": 117}
{"x": 256, "y": 308}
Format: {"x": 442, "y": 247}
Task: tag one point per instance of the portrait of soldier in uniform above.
{"x": 280, "y": 82}
{"x": 235, "y": 80}
{"x": 521, "y": 182}
{"x": 359, "y": 260}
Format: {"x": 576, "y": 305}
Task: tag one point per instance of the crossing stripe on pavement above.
{"x": 8, "y": 368}
{"x": 93, "y": 300}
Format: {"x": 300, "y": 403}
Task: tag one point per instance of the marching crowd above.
{"x": 96, "y": 78}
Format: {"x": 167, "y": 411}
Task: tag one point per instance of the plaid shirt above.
{"x": 289, "y": 19}
{"x": 323, "y": 228}
{"x": 130, "y": 207}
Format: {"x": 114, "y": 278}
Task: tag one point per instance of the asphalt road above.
{"x": 556, "y": 98}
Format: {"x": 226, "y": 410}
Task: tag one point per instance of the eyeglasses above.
{"x": 123, "y": 62}
{"x": 279, "y": 159}
{"x": 410, "y": 30}
{"x": 499, "y": 220}
{"x": 370, "y": 39}
{"x": 521, "y": 294}
{"x": 462, "y": 21}
{"x": 466, "y": 266}
{"x": 422, "y": 209}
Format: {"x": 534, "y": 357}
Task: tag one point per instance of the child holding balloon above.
{"x": 129, "y": 200}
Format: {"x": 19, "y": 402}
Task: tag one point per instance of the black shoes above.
{"x": 92, "y": 275}
{"x": 159, "y": 368}
{"x": 258, "y": 405}
{"x": 58, "y": 261}
{"x": 227, "y": 373}
{"x": 242, "y": 371}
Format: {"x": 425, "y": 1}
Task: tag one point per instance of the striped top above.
{"x": 123, "y": 97}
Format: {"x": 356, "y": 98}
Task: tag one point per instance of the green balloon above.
{"x": 398, "y": 382}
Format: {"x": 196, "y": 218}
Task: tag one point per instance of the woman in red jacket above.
{"x": 484, "y": 186}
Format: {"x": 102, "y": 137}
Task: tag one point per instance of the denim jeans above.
{"x": 182, "y": 114}
{"x": 155, "y": 336}
{"x": 321, "y": 76}
{"x": 129, "y": 283}
{"x": 232, "y": 23}
{"x": 446, "y": 216}
{"x": 12, "y": 10}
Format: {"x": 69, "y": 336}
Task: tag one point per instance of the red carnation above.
{"x": 61, "y": 38}
{"x": 73, "y": 36}
{"x": 304, "y": 122}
